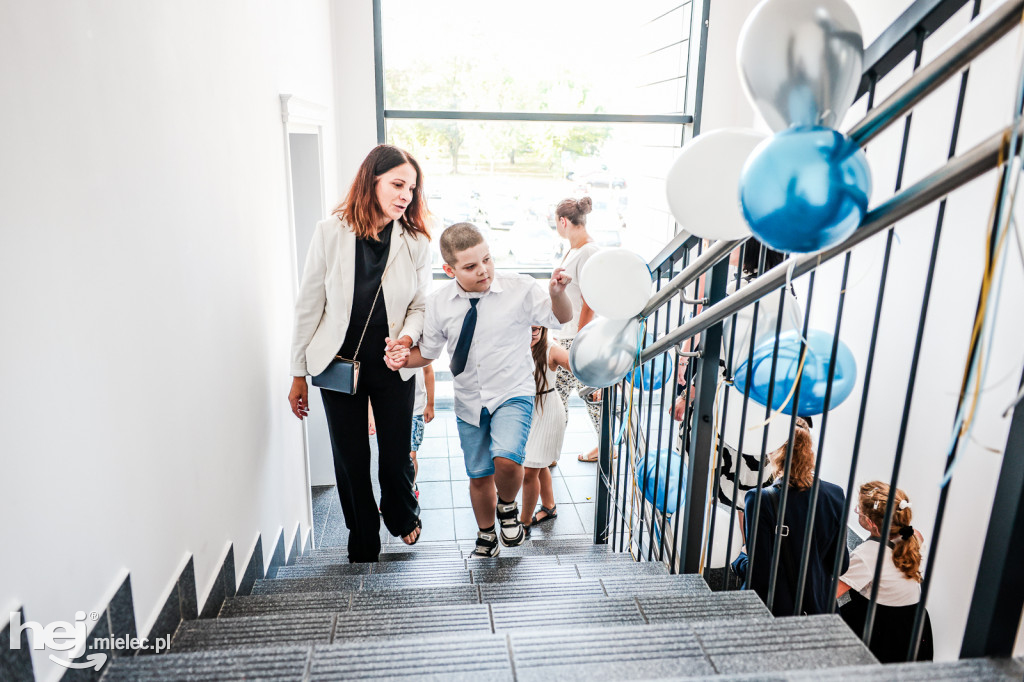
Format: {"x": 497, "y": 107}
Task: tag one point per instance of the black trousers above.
{"x": 347, "y": 422}
{"x": 890, "y": 633}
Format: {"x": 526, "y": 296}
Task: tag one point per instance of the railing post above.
{"x": 999, "y": 592}
{"x": 604, "y": 471}
{"x": 702, "y": 434}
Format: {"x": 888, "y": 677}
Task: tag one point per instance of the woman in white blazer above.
{"x": 378, "y": 230}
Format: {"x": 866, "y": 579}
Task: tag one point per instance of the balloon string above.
{"x": 792, "y": 391}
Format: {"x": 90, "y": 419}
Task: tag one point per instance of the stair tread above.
{"x": 564, "y": 614}
{"x": 494, "y": 592}
{"x": 253, "y": 631}
{"x": 701, "y": 607}
{"x": 467, "y": 657}
{"x": 305, "y": 602}
{"x": 298, "y": 585}
{"x": 807, "y": 643}
{"x": 608, "y": 653}
{"x": 270, "y": 663}
{"x": 415, "y": 621}
{"x": 401, "y": 598}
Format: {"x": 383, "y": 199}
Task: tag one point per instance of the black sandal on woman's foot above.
{"x": 419, "y": 527}
{"x": 551, "y": 514}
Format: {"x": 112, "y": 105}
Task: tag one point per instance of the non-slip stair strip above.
{"x": 465, "y": 658}
{"x": 802, "y": 643}
{"x": 423, "y": 621}
{"x": 305, "y": 602}
{"x": 565, "y": 614}
{"x": 406, "y": 598}
{"x": 298, "y": 585}
{"x": 285, "y": 664}
{"x": 544, "y": 590}
{"x": 254, "y": 631}
{"x": 698, "y": 608}
{"x": 609, "y": 653}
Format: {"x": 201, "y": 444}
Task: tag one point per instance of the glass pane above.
{"x": 507, "y": 177}
{"x": 599, "y": 56}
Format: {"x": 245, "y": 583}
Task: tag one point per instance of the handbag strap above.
{"x": 372, "y": 306}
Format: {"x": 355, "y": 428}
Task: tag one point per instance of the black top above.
{"x": 825, "y": 542}
{"x": 371, "y": 259}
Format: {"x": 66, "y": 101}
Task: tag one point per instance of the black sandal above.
{"x": 417, "y": 527}
{"x": 551, "y": 514}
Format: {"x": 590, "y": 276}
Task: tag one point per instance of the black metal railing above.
{"x": 663, "y": 504}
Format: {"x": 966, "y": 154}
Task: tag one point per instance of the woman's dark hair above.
{"x": 361, "y": 210}
{"x": 801, "y": 470}
{"x": 540, "y": 365}
{"x": 575, "y": 210}
{"x": 752, "y": 257}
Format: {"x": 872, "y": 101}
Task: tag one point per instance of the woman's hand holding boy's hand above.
{"x": 396, "y": 353}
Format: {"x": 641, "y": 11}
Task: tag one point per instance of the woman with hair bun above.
{"x": 899, "y": 587}
{"x": 571, "y": 223}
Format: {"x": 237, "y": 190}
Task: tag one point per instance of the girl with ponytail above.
{"x": 899, "y": 588}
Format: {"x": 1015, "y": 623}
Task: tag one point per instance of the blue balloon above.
{"x": 653, "y": 371}
{"x": 815, "y": 374}
{"x": 652, "y": 471}
{"x": 805, "y": 189}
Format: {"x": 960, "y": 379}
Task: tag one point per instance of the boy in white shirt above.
{"x": 485, "y": 321}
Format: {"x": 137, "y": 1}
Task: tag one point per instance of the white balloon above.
{"x": 703, "y": 183}
{"x": 777, "y": 428}
{"x": 603, "y": 351}
{"x": 616, "y": 283}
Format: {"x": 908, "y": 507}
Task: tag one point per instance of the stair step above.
{"x": 628, "y": 568}
{"x": 268, "y": 604}
{"x": 275, "y": 663}
{"x": 491, "y": 593}
{"x": 700, "y": 607}
{"x": 524, "y": 573}
{"x": 974, "y": 669}
{"x": 465, "y": 658}
{"x": 565, "y": 614}
{"x": 295, "y": 585}
{"x": 253, "y": 631}
{"x": 398, "y": 581}
{"x": 803, "y": 643}
{"x": 418, "y": 621}
{"x": 625, "y": 586}
{"x": 608, "y": 653}
{"x": 323, "y": 570}
{"x": 403, "y": 598}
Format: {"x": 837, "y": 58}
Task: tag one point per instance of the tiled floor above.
{"x": 444, "y": 489}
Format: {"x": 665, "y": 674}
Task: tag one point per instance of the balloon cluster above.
{"x": 616, "y": 284}
{"x": 806, "y": 188}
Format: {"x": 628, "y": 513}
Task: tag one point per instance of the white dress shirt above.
{"x": 894, "y": 589}
{"x": 500, "y": 364}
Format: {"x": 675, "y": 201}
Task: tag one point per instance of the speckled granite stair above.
{"x": 284, "y": 664}
{"x": 629, "y": 586}
{"x": 298, "y": 585}
{"x": 803, "y": 643}
{"x": 304, "y": 602}
{"x": 701, "y": 607}
{"x": 253, "y": 631}
{"x": 418, "y": 621}
{"x": 465, "y": 658}
{"x": 607, "y": 654}
{"x": 976, "y": 670}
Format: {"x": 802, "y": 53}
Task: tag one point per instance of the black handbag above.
{"x": 342, "y": 375}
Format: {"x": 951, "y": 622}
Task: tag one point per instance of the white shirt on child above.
{"x": 894, "y": 589}
{"x": 500, "y": 364}
{"x": 421, "y": 394}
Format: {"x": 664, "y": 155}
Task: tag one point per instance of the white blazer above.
{"x": 324, "y": 304}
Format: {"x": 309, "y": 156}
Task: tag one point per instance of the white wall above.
{"x": 146, "y": 293}
{"x": 947, "y": 333}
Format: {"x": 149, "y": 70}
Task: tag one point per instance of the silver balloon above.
{"x": 602, "y": 352}
{"x": 801, "y": 60}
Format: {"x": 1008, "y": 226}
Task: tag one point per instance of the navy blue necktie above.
{"x": 461, "y": 353}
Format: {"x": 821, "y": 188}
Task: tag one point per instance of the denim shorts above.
{"x": 417, "y": 432}
{"x": 501, "y": 433}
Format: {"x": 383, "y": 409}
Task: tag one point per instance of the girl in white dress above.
{"x": 547, "y": 430}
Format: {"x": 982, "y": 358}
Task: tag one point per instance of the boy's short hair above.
{"x": 458, "y": 238}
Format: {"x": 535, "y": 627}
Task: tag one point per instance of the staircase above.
{"x": 552, "y": 609}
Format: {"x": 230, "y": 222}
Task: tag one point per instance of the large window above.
{"x": 511, "y": 108}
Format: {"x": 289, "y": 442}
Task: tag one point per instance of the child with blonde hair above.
{"x": 899, "y": 587}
